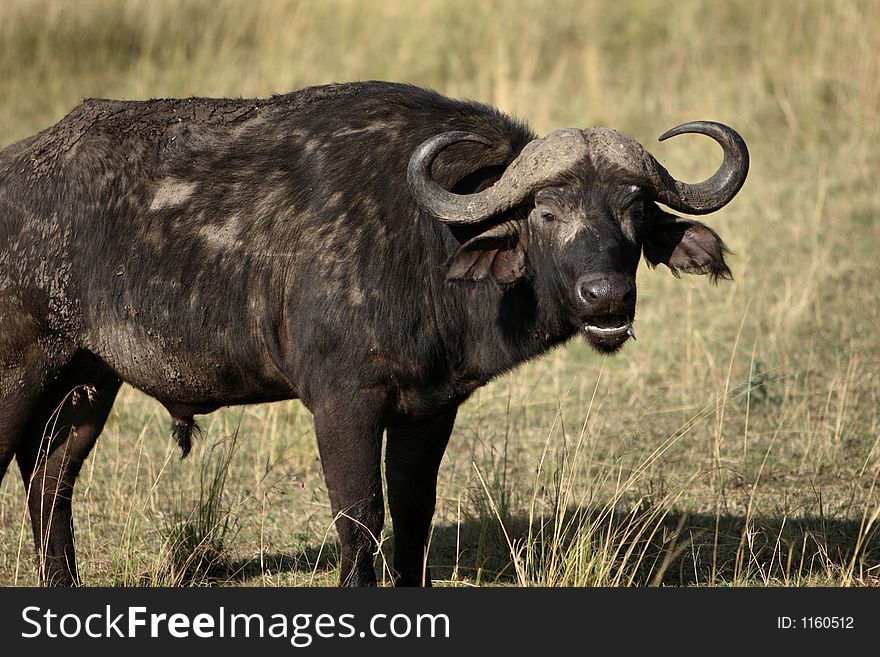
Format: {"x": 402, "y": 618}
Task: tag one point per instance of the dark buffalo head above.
{"x": 590, "y": 197}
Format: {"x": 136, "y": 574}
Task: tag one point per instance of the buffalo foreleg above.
{"x": 350, "y": 445}
{"x": 412, "y": 459}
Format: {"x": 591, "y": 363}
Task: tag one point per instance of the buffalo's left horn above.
{"x": 541, "y": 161}
{"x": 716, "y": 191}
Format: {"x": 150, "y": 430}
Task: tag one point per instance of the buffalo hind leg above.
{"x": 412, "y": 458}
{"x": 15, "y": 409}
{"x": 350, "y": 445}
{"x": 62, "y": 431}
{"x": 20, "y": 389}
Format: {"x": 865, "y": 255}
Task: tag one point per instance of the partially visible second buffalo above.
{"x": 376, "y": 250}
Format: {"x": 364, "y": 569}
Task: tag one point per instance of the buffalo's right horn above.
{"x": 539, "y": 163}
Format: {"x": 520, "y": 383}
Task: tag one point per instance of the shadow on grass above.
{"x": 312, "y": 559}
{"x": 679, "y": 550}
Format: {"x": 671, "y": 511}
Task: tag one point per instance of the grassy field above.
{"x": 736, "y": 443}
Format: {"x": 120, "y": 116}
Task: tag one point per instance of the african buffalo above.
{"x": 376, "y": 250}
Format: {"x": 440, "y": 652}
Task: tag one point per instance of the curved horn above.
{"x": 443, "y": 204}
{"x": 539, "y": 162}
{"x": 716, "y": 191}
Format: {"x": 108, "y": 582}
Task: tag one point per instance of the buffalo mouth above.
{"x": 608, "y": 332}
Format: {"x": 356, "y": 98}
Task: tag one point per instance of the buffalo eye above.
{"x": 637, "y": 212}
{"x": 547, "y": 216}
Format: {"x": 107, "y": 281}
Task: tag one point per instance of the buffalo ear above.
{"x": 685, "y": 245}
{"x": 499, "y": 252}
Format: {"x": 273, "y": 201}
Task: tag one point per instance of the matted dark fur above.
{"x": 217, "y": 252}
{"x": 182, "y": 430}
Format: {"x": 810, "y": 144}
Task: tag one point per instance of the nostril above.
{"x": 594, "y": 291}
{"x": 586, "y": 295}
{"x": 606, "y": 294}
{"x": 589, "y": 292}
